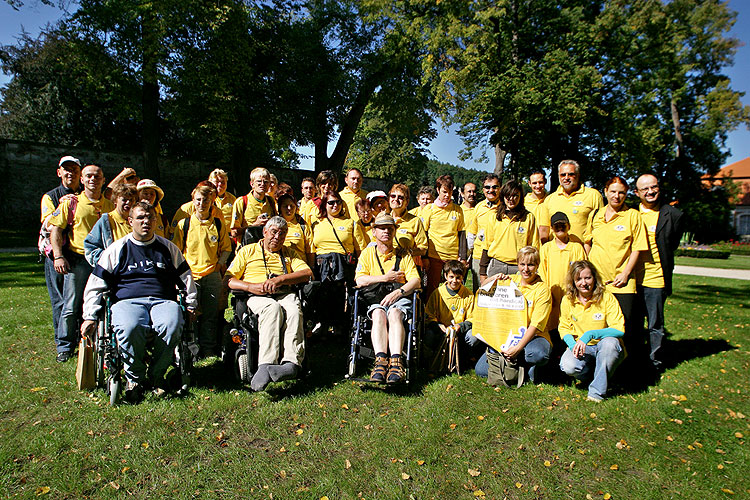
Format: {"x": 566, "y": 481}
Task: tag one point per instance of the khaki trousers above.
{"x": 279, "y": 317}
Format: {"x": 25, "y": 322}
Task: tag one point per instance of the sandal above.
{"x": 379, "y": 370}
{"x": 396, "y": 370}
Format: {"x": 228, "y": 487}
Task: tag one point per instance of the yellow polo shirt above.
{"x": 244, "y": 216}
{"x": 417, "y": 211}
{"x": 577, "y": 206}
{"x": 368, "y": 264}
{"x": 612, "y": 243}
{"x": 119, "y": 225}
{"x": 226, "y": 205}
{"x": 86, "y": 214}
{"x": 305, "y": 207}
{"x": 533, "y": 205}
{"x": 204, "y": 243}
{"x": 538, "y": 304}
{"x": 350, "y": 198}
{"x": 507, "y": 236}
{"x": 298, "y": 238}
{"x": 410, "y": 232}
{"x": 351, "y": 236}
{"x": 553, "y": 269}
{"x": 250, "y": 266}
{"x": 577, "y": 318}
{"x": 442, "y": 226}
{"x": 484, "y": 214}
{"x": 366, "y": 231}
{"x": 650, "y": 273}
{"x": 187, "y": 209}
{"x": 446, "y": 305}
{"x": 469, "y": 213}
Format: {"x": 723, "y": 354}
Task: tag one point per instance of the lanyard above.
{"x": 281, "y": 254}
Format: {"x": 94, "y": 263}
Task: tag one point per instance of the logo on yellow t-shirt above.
{"x": 598, "y": 316}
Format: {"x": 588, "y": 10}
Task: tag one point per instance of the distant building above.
{"x": 739, "y": 172}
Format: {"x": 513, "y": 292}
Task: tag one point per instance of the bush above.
{"x": 701, "y": 254}
{"x": 733, "y": 247}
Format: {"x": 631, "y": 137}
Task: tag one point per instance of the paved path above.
{"x": 737, "y": 274}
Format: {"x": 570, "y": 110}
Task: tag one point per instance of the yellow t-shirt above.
{"x": 366, "y": 231}
{"x": 86, "y": 214}
{"x": 249, "y": 264}
{"x": 612, "y": 243}
{"x": 507, "y": 236}
{"x": 187, "y": 209}
{"x": 119, "y": 225}
{"x": 418, "y": 212}
{"x": 533, "y": 205}
{"x": 368, "y": 264}
{"x": 351, "y": 236}
{"x": 306, "y": 208}
{"x": 538, "y": 302}
{"x": 226, "y": 205}
{"x": 47, "y": 206}
{"x": 553, "y": 269}
{"x": 577, "y": 318}
{"x": 350, "y": 198}
{"x": 244, "y": 216}
{"x": 410, "y": 233}
{"x": 650, "y": 273}
{"x": 442, "y": 226}
{"x": 484, "y": 214}
{"x": 469, "y": 213}
{"x": 444, "y": 306}
{"x": 577, "y": 206}
{"x": 298, "y": 238}
{"x": 204, "y": 244}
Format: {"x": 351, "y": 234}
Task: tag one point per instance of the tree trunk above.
{"x": 150, "y": 97}
{"x": 500, "y": 155}
{"x": 677, "y": 132}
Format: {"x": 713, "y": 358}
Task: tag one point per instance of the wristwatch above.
{"x": 402, "y": 291}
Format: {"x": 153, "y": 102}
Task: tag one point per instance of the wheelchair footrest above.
{"x": 366, "y": 352}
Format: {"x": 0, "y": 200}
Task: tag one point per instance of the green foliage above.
{"x": 708, "y": 216}
{"x": 701, "y": 254}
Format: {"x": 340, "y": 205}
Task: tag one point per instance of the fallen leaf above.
{"x": 43, "y": 490}
{"x": 37, "y": 389}
{"x": 114, "y": 485}
{"x": 453, "y": 426}
{"x": 420, "y": 462}
{"x": 479, "y": 493}
{"x": 473, "y": 472}
{"x": 345, "y": 406}
{"x": 405, "y": 476}
{"x": 299, "y": 431}
{"x": 738, "y": 435}
{"x": 607, "y": 496}
{"x": 614, "y": 467}
{"x": 547, "y": 463}
{"x": 670, "y": 438}
{"x": 144, "y": 445}
{"x": 728, "y": 491}
{"x": 518, "y": 485}
{"x": 480, "y": 417}
{"x": 720, "y": 466}
{"x": 347, "y": 464}
{"x": 324, "y": 498}
{"x": 682, "y": 397}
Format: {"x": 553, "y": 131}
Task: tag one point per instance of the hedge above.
{"x": 701, "y": 254}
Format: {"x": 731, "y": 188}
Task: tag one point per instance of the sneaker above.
{"x": 396, "y": 370}
{"x": 379, "y": 370}
{"x": 64, "y": 356}
{"x": 133, "y": 392}
{"x": 594, "y": 399}
{"x": 160, "y": 388}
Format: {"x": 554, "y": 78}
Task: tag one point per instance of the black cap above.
{"x": 559, "y": 217}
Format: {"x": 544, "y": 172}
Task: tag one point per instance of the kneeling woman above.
{"x": 378, "y": 264}
{"x": 592, "y": 326}
{"x": 535, "y": 345}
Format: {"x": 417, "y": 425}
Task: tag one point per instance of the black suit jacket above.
{"x": 668, "y": 234}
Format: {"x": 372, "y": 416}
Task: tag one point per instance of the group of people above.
{"x": 586, "y": 269}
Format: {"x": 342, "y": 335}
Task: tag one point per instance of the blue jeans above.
{"x": 55, "y": 282}
{"x": 604, "y": 357}
{"x": 653, "y": 305}
{"x": 73, "y": 285}
{"x": 136, "y": 321}
{"x": 536, "y": 353}
{"x": 209, "y": 290}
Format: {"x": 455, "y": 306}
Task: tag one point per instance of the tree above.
{"x": 66, "y": 90}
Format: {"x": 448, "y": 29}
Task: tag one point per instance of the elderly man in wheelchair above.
{"x": 266, "y": 270}
{"x": 142, "y": 273}
{"x": 386, "y": 280}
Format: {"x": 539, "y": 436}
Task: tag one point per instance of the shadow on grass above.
{"x": 707, "y": 294}
{"x": 21, "y": 270}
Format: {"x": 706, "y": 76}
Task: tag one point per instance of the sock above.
{"x": 261, "y": 378}
{"x": 284, "y": 371}
{"x": 381, "y": 355}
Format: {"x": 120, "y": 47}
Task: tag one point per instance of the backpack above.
{"x": 503, "y": 371}
{"x": 44, "y": 244}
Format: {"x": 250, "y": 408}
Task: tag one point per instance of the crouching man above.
{"x": 266, "y": 270}
{"x": 142, "y": 272}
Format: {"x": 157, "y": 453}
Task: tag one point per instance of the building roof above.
{"x": 738, "y": 171}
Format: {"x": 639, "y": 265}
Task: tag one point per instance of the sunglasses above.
{"x": 568, "y": 175}
{"x": 331, "y": 203}
{"x": 397, "y": 197}
{"x": 491, "y": 188}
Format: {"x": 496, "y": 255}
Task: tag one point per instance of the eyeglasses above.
{"x": 567, "y": 174}
{"x": 491, "y": 187}
{"x": 331, "y": 203}
{"x": 397, "y": 197}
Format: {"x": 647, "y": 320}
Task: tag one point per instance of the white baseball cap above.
{"x": 69, "y": 159}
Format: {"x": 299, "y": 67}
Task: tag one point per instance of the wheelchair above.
{"x": 240, "y": 345}
{"x": 361, "y": 343}
{"x": 108, "y": 361}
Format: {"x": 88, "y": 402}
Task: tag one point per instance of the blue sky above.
{"x": 34, "y": 15}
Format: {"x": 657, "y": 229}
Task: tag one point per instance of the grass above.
{"x": 452, "y": 437}
{"x": 19, "y": 238}
{"x": 733, "y": 262}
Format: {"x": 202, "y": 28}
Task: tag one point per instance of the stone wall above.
{"x": 29, "y": 171}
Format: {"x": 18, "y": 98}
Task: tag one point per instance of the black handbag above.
{"x": 374, "y": 293}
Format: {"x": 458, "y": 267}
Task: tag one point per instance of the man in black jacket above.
{"x": 664, "y": 229}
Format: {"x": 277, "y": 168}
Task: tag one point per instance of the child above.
{"x": 556, "y": 257}
{"x": 204, "y": 241}
{"x": 450, "y": 305}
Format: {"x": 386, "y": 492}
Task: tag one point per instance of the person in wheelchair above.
{"x": 377, "y": 269}
{"x": 142, "y": 272}
{"x": 266, "y": 270}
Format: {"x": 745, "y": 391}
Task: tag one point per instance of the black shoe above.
{"x": 134, "y": 392}
{"x": 64, "y": 356}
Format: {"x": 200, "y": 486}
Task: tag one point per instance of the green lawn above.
{"x": 733, "y": 262}
{"x": 453, "y": 437}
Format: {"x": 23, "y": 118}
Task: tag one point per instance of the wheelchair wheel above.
{"x": 114, "y": 390}
{"x": 99, "y": 367}
{"x": 243, "y": 362}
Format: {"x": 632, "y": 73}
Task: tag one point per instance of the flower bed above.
{"x": 733, "y": 247}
